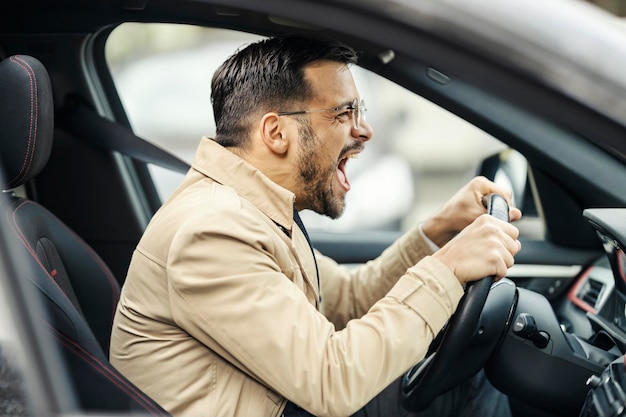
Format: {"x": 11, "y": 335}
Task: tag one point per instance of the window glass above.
{"x": 12, "y": 384}
{"x": 419, "y": 157}
{"x": 13, "y": 393}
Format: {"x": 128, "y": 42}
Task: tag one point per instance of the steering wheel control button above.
{"x": 524, "y": 325}
{"x": 526, "y": 328}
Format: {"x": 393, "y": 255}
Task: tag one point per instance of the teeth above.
{"x": 353, "y": 156}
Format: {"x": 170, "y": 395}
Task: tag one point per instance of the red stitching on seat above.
{"x": 27, "y": 163}
{"x": 95, "y": 363}
{"x": 115, "y": 293}
{"x": 11, "y": 220}
{"x": 34, "y": 114}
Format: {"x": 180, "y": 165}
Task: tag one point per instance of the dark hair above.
{"x": 267, "y": 76}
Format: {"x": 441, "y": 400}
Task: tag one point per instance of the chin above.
{"x": 335, "y": 207}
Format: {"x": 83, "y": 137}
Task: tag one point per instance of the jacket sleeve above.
{"x": 350, "y": 293}
{"x": 230, "y": 292}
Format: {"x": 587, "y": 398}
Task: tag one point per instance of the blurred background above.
{"x": 419, "y": 157}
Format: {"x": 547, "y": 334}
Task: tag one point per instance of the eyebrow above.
{"x": 345, "y": 104}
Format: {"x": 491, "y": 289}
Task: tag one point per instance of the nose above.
{"x": 364, "y": 132}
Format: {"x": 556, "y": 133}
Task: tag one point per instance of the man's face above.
{"x": 328, "y": 139}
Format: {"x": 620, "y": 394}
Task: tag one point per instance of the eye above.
{"x": 345, "y": 113}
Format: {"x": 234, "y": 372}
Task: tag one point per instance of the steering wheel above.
{"x": 437, "y": 373}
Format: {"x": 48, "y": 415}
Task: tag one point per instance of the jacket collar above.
{"x": 224, "y": 167}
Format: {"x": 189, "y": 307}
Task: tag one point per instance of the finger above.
{"x": 512, "y": 246}
{"x": 514, "y": 213}
{"x": 503, "y": 267}
{"x": 505, "y": 192}
{"x": 485, "y": 187}
{"x": 511, "y": 230}
{"x": 506, "y": 256}
{"x": 484, "y": 199}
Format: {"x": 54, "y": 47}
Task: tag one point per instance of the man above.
{"x": 227, "y": 311}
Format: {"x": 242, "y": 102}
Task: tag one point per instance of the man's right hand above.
{"x": 486, "y": 247}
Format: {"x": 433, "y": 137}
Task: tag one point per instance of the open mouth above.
{"x": 341, "y": 170}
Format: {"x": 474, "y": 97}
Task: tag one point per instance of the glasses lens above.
{"x": 362, "y": 110}
{"x": 358, "y": 112}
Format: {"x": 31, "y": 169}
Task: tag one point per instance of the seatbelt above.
{"x": 82, "y": 121}
{"x": 292, "y": 410}
{"x": 298, "y": 221}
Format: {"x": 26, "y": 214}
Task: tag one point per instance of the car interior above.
{"x": 79, "y": 290}
{"x": 78, "y": 193}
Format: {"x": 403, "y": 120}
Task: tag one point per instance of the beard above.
{"x": 317, "y": 181}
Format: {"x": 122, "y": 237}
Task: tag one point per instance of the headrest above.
{"x": 26, "y": 119}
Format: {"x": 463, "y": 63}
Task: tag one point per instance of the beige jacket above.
{"x": 218, "y": 315}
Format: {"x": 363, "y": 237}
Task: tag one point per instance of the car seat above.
{"x": 77, "y": 288}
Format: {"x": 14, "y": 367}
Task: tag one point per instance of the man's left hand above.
{"x": 463, "y": 208}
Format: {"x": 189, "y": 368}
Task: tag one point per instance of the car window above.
{"x": 14, "y": 371}
{"x": 419, "y": 157}
{"x": 12, "y": 384}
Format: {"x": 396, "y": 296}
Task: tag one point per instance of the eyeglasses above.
{"x": 356, "y": 110}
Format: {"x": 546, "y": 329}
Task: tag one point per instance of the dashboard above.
{"x": 601, "y": 291}
{"x": 601, "y": 294}
{"x": 571, "y": 358}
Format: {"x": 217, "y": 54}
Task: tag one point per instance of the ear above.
{"x": 273, "y": 132}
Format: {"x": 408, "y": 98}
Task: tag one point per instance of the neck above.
{"x": 277, "y": 168}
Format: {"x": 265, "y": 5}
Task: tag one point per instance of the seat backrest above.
{"x": 77, "y": 288}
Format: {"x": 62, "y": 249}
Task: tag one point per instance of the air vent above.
{"x": 593, "y": 287}
{"x": 590, "y": 292}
